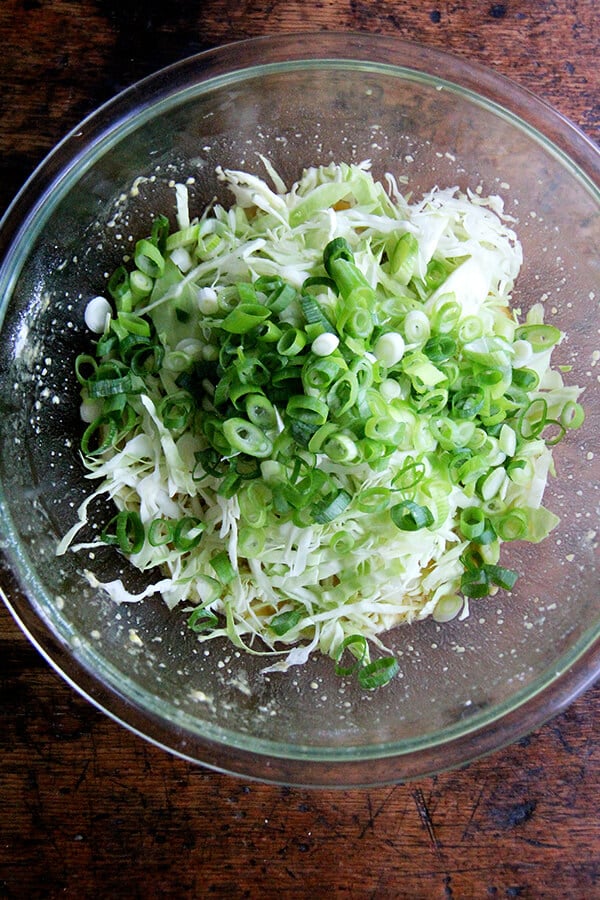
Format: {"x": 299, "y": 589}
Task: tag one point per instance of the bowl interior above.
{"x": 149, "y": 671}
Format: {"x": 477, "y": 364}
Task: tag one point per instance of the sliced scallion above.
{"x": 356, "y": 644}
{"x": 377, "y": 673}
{"x": 245, "y": 317}
{"x": 222, "y": 567}
{"x": 129, "y": 531}
{"x": 201, "y": 620}
{"x": 187, "y": 533}
{"x": 160, "y": 532}
{"x": 411, "y": 516}
{"x": 245, "y": 437}
{"x": 149, "y": 259}
{"x": 285, "y": 621}
{"x": 330, "y": 508}
{"x": 504, "y": 578}
{"x": 541, "y": 337}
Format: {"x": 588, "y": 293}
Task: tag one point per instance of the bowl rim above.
{"x": 292, "y": 48}
{"x": 299, "y": 767}
{"x": 376, "y": 764}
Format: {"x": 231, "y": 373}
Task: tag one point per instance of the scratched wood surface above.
{"x": 88, "y": 810}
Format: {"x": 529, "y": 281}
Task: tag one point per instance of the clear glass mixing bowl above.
{"x": 466, "y": 687}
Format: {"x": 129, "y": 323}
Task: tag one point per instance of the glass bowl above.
{"x": 466, "y": 687}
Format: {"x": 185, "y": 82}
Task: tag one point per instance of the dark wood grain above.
{"x": 89, "y": 810}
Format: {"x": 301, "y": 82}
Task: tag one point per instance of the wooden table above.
{"x": 87, "y": 809}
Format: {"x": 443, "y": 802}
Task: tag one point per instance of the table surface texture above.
{"x": 88, "y": 809}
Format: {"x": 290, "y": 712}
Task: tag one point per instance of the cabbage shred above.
{"x": 317, "y": 414}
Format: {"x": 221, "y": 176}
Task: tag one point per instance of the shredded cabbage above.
{"x": 423, "y": 441}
